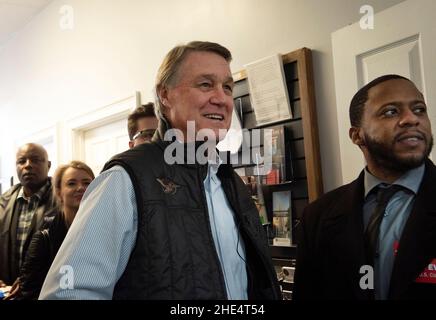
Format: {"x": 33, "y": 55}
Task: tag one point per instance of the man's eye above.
{"x": 228, "y": 88}
{"x": 390, "y": 112}
{"x": 205, "y": 85}
{"x": 420, "y": 109}
{"x": 21, "y": 161}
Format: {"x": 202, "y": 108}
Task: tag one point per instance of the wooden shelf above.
{"x": 302, "y": 59}
{"x": 304, "y": 159}
{"x": 283, "y": 252}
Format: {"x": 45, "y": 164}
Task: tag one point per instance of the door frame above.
{"x": 76, "y": 127}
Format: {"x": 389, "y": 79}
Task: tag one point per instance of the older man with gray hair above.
{"x": 148, "y": 229}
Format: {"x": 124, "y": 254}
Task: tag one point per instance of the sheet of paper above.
{"x": 268, "y": 91}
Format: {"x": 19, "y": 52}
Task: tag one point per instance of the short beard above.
{"x": 382, "y": 153}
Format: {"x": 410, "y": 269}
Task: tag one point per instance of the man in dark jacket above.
{"x": 161, "y": 224}
{"x": 23, "y": 208}
{"x": 375, "y": 238}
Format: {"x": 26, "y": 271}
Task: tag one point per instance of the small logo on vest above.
{"x": 168, "y": 186}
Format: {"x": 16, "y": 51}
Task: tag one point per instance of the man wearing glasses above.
{"x": 141, "y": 125}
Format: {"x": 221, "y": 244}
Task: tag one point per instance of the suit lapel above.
{"x": 12, "y": 224}
{"x": 345, "y": 227}
{"x": 418, "y": 241}
{"x": 354, "y": 238}
{"x": 8, "y": 211}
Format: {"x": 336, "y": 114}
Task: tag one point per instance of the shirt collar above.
{"x": 215, "y": 163}
{"x": 37, "y": 194}
{"x": 410, "y": 180}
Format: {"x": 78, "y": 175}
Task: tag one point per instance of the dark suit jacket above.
{"x": 330, "y": 250}
{"x": 9, "y": 268}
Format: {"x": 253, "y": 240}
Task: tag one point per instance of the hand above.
{"x": 15, "y": 290}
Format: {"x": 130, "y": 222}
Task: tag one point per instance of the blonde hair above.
{"x": 59, "y": 173}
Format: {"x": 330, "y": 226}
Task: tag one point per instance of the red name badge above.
{"x": 429, "y": 274}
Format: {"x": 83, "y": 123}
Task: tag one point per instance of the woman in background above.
{"x": 70, "y": 182}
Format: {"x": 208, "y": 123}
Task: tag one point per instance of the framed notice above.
{"x": 268, "y": 91}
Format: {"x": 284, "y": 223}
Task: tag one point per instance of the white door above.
{"x": 102, "y": 143}
{"x": 98, "y": 135}
{"x": 402, "y": 42}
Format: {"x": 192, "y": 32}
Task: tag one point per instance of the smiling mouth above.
{"x": 411, "y": 141}
{"x": 410, "y": 138}
{"x": 214, "y": 116}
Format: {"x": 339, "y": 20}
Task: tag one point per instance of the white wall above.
{"x": 48, "y": 75}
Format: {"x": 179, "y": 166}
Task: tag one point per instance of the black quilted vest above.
{"x": 174, "y": 256}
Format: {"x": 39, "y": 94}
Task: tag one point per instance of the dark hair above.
{"x": 358, "y": 102}
{"x": 146, "y": 110}
{"x": 168, "y": 71}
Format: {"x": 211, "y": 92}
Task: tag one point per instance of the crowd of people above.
{"x": 40, "y": 209}
{"x": 148, "y": 229}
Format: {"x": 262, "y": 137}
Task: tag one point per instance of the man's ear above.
{"x": 163, "y": 96}
{"x": 356, "y": 135}
{"x": 49, "y": 165}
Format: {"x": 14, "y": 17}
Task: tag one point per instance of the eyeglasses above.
{"x": 146, "y": 134}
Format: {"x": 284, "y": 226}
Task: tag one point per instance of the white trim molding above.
{"x": 76, "y": 127}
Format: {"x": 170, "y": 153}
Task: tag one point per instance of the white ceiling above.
{"x": 15, "y": 14}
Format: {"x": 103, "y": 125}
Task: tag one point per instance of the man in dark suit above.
{"x": 375, "y": 238}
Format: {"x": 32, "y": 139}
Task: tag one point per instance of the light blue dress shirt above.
{"x": 229, "y": 246}
{"x": 392, "y": 224}
{"x": 98, "y": 245}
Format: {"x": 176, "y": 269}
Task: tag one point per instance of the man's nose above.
{"x": 219, "y": 96}
{"x": 409, "y": 118}
{"x": 28, "y": 163}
